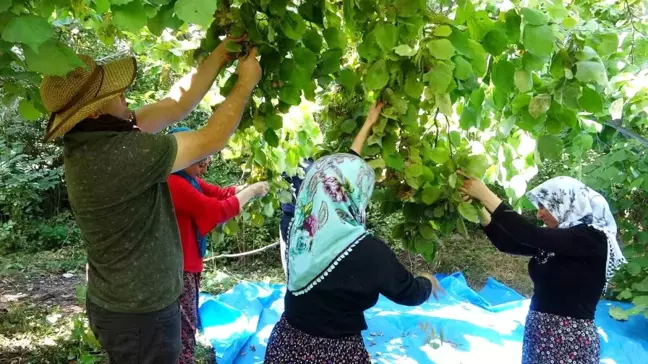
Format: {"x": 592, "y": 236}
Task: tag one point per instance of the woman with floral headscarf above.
{"x": 336, "y": 268}
{"x": 572, "y": 259}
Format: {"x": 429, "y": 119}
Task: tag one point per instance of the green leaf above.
{"x": 278, "y": 7}
{"x": 162, "y": 20}
{"x": 606, "y": 44}
{"x": 550, "y": 147}
{"x": 532, "y": 62}
{"x": 444, "y": 103}
{"x": 442, "y": 31}
{"x": 5, "y": 5}
{"x": 330, "y": 61}
{"x": 539, "y": 105}
{"x": 439, "y": 78}
{"x": 463, "y": 70}
{"x": 132, "y": 17}
{"x": 289, "y": 94}
{"x": 523, "y": 81}
{"x": 377, "y": 76}
{"x": 348, "y": 79}
{"x": 312, "y": 40}
{"x": 438, "y": 155}
{"x": 413, "y": 87}
{"x": 468, "y": 212}
{"x": 369, "y": 48}
{"x": 405, "y": 50}
{"x": 274, "y": 121}
{"x": 569, "y": 23}
{"x": 591, "y": 101}
{"x": 293, "y": 26}
{"x": 495, "y": 42}
{"x": 394, "y": 160}
{"x": 31, "y": 30}
{"x": 101, "y": 6}
{"x": 539, "y": 40}
{"x": 618, "y": 314}
{"x": 426, "y": 231}
{"x": 398, "y": 231}
{"x": 335, "y": 38}
{"x": 633, "y": 268}
{"x": 503, "y": 75}
{"x": 386, "y": 36}
{"x": 513, "y": 23}
{"x": 583, "y": 142}
{"x": 53, "y": 59}
{"x": 469, "y": 117}
{"x": 590, "y": 71}
{"x": 479, "y": 25}
{"x": 231, "y": 227}
{"x": 199, "y": 12}
{"x": 477, "y": 165}
{"x": 27, "y": 110}
{"x": 431, "y": 194}
{"x": 534, "y": 17}
{"x": 271, "y": 138}
{"x": 305, "y": 58}
{"x": 640, "y": 301}
{"x": 441, "y": 48}
{"x": 626, "y": 294}
{"x": 348, "y": 126}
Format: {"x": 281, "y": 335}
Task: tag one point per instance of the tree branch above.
{"x": 239, "y": 255}
{"x": 616, "y": 124}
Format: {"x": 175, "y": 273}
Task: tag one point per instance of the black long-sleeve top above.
{"x": 567, "y": 265}
{"x": 335, "y": 307}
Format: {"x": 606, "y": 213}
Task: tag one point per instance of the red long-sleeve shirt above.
{"x": 202, "y": 210}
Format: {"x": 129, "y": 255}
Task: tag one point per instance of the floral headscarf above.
{"x": 572, "y": 203}
{"x": 329, "y": 218}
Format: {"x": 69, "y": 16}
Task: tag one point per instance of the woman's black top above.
{"x": 567, "y": 265}
{"x": 335, "y": 307}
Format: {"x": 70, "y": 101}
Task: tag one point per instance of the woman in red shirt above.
{"x": 200, "y": 207}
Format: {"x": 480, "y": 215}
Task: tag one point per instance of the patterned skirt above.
{"x": 290, "y": 345}
{"x": 552, "y": 339}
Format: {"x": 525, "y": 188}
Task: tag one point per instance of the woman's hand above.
{"x": 436, "y": 287}
{"x": 260, "y": 189}
{"x": 374, "y": 113}
{"x": 475, "y": 188}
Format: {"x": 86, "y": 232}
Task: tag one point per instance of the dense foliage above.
{"x": 496, "y": 88}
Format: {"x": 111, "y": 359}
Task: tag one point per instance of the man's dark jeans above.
{"x": 138, "y": 338}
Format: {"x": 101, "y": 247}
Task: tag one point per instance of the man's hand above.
{"x": 260, "y": 189}
{"x": 249, "y": 70}
{"x": 221, "y": 52}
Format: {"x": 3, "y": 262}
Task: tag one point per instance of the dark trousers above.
{"x": 137, "y": 338}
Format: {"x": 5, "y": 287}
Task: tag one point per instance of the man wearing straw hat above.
{"x": 116, "y": 169}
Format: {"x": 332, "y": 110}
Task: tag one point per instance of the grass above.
{"x": 34, "y": 332}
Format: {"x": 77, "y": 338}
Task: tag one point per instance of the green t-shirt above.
{"x": 117, "y": 186}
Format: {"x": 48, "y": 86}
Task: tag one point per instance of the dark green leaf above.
{"x": 495, "y": 42}
{"x": 27, "y": 110}
{"x": 335, "y": 38}
{"x": 53, "y": 58}
{"x": 431, "y": 194}
{"x": 330, "y": 61}
{"x": 513, "y": 23}
{"x": 463, "y": 70}
{"x": 348, "y": 79}
{"x": 293, "y": 26}
{"x": 503, "y": 75}
{"x": 348, "y": 126}
{"x": 532, "y": 62}
{"x": 550, "y": 147}
{"x": 290, "y": 95}
{"x": 274, "y": 121}
{"x": 439, "y": 78}
{"x": 312, "y": 40}
{"x": 591, "y": 101}
{"x": 413, "y": 87}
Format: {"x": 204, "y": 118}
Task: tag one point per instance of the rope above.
{"x": 242, "y": 254}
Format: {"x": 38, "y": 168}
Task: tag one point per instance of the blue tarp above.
{"x": 478, "y": 327}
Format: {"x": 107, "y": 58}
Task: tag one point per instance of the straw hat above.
{"x": 83, "y": 92}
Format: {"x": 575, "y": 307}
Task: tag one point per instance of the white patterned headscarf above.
{"x": 572, "y": 203}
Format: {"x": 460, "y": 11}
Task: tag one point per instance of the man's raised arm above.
{"x": 196, "y": 145}
{"x": 185, "y": 94}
